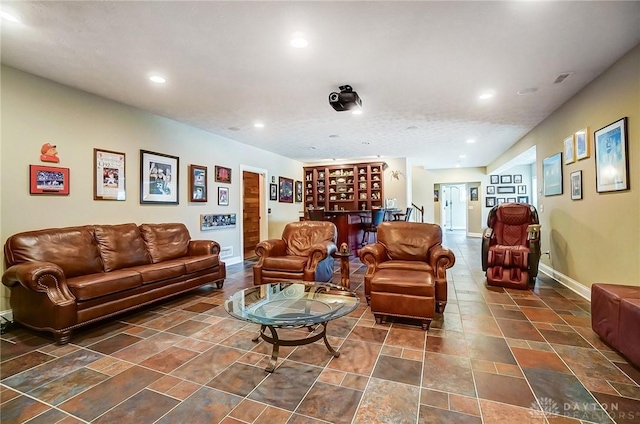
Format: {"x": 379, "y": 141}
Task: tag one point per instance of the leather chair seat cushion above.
{"x": 90, "y": 286}
{"x": 403, "y": 282}
{"x": 406, "y": 265}
{"x": 153, "y": 273}
{"x": 509, "y": 256}
{"x": 284, "y": 263}
{"x": 629, "y": 323}
{"x": 121, "y": 246}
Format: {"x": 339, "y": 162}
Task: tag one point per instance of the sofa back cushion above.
{"x": 301, "y": 236}
{"x": 409, "y": 241}
{"x": 166, "y": 241}
{"x": 121, "y": 246}
{"x": 74, "y": 249}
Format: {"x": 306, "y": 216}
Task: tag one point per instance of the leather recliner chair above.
{"x": 511, "y": 246}
{"x": 304, "y": 253}
{"x": 406, "y": 271}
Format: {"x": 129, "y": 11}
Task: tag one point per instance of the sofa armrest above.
{"x": 440, "y": 259}
{"x": 203, "y": 247}
{"x": 42, "y": 277}
{"x": 487, "y": 235}
{"x": 319, "y": 252}
{"x": 271, "y": 247}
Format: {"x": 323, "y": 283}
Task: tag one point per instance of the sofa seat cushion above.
{"x": 284, "y": 263}
{"x": 403, "y": 282}
{"x": 406, "y": 265}
{"x": 161, "y": 271}
{"x": 198, "y": 263}
{"x": 95, "y": 285}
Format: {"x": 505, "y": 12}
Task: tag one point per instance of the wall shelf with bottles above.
{"x": 345, "y": 187}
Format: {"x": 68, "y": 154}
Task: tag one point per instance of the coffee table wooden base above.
{"x": 274, "y": 340}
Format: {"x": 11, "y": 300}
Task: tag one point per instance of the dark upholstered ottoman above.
{"x": 399, "y": 293}
{"x": 615, "y": 317}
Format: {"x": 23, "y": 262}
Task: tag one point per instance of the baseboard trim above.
{"x": 233, "y": 260}
{"x": 474, "y": 235}
{"x": 570, "y": 283}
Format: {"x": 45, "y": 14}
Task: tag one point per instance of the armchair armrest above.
{"x": 487, "y": 235}
{"x": 42, "y": 277}
{"x": 203, "y": 247}
{"x": 440, "y": 259}
{"x": 319, "y": 252}
{"x": 271, "y": 247}
{"x": 373, "y": 254}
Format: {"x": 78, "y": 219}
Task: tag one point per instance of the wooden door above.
{"x": 250, "y": 213}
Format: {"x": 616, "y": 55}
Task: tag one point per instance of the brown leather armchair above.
{"x": 511, "y": 246}
{"x": 406, "y": 271}
{"x": 304, "y": 253}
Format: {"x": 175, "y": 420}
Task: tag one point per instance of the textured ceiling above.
{"x": 418, "y": 67}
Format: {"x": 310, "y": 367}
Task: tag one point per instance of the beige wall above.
{"x": 596, "y": 239}
{"x": 35, "y": 111}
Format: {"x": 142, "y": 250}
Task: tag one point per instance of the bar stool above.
{"x": 377, "y": 216}
{"x": 403, "y": 216}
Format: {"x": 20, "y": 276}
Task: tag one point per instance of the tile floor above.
{"x": 495, "y": 356}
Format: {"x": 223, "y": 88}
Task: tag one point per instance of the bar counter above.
{"x": 349, "y": 226}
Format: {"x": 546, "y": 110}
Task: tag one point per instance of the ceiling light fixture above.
{"x": 357, "y": 112}
{"x": 457, "y": 165}
{"x": 485, "y": 96}
{"x": 471, "y": 141}
{"x": 526, "y": 91}
{"x": 258, "y": 125}
{"x": 157, "y": 79}
{"x": 8, "y": 16}
{"x": 298, "y": 41}
{"x": 462, "y": 156}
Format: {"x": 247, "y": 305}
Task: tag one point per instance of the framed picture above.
{"x": 491, "y": 189}
{"x": 612, "y": 159}
{"x": 506, "y": 189}
{"x": 523, "y": 199}
{"x": 223, "y": 196}
{"x": 489, "y": 202}
{"x": 511, "y": 200}
{"x": 576, "y": 185}
{"x": 505, "y": 179}
{"x": 495, "y": 179}
{"x": 298, "y": 191}
{"x": 569, "y": 152}
{"x": 436, "y": 195}
{"x": 273, "y": 191}
{"x": 159, "y": 177}
{"x": 522, "y": 189}
{"x": 582, "y": 143}
{"x": 286, "y": 190}
{"x": 48, "y": 180}
{"x": 108, "y": 175}
{"x": 223, "y": 175}
{"x": 473, "y": 194}
{"x": 198, "y": 183}
{"x": 517, "y": 179}
{"x": 217, "y": 221}
{"x": 501, "y": 200}
{"x": 552, "y": 175}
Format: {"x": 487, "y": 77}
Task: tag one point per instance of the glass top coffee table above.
{"x": 291, "y": 305}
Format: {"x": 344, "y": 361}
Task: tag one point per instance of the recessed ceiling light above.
{"x": 298, "y": 41}
{"x": 334, "y": 135}
{"x": 462, "y": 156}
{"x": 8, "y": 16}
{"x": 258, "y": 125}
{"x": 312, "y": 148}
{"x": 157, "y": 79}
{"x": 526, "y": 91}
{"x": 457, "y": 165}
{"x": 485, "y": 96}
{"x": 357, "y": 112}
{"x": 471, "y": 140}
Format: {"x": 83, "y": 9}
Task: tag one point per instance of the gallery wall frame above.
{"x": 505, "y": 179}
{"x": 552, "y": 175}
{"x": 109, "y": 175}
{"x": 50, "y": 180}
{"x": 575, "y": 179}
{"x": 495, "y": 179}
{"x": 223, "y": 196}
{"x": 285, "y": 190}
{"x": 217, "y": 221}
{"x": 491, "y": 189}
{"x": 489, "y": 202}
{"x": 273, "y": 191}
{"x": 517, "y": 179}
{"x": 222, "y": 174}
{"x": 523, "y": 199}
{"x": 582, "y": 143}
{"x": 159, "y": 178}
{"x": 522, "y": 189}
{"x": 198, "y": 183}
{"x": 506, "y": 189}
{"x": 612, "y": 158}
{"x": 298, "y": 186}
{"x": 569, "y": 150}
{"x": 473, "y": 194}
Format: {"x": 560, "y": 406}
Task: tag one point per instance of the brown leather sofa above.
{"x": 406, "y": 271}
{"x": 615, "y": 317}
{"x": 304, "y": 253}
{"x": 64, "y": 278}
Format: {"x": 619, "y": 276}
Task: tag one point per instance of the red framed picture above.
{"x": 48, "y": 180}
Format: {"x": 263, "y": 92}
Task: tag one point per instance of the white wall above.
{"x": 36, "y": 111}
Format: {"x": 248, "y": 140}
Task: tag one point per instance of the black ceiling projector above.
{"x": 346, "y": 99}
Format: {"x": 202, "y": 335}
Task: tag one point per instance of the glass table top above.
{"x": 291, "y": 304}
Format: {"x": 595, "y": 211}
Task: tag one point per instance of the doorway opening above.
{"x": 453, "y": 204}
{"x": 254, "y": 210}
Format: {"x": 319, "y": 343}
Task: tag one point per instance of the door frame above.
{"x": 459, "y": 186}
{"x": 264, "y": 204}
